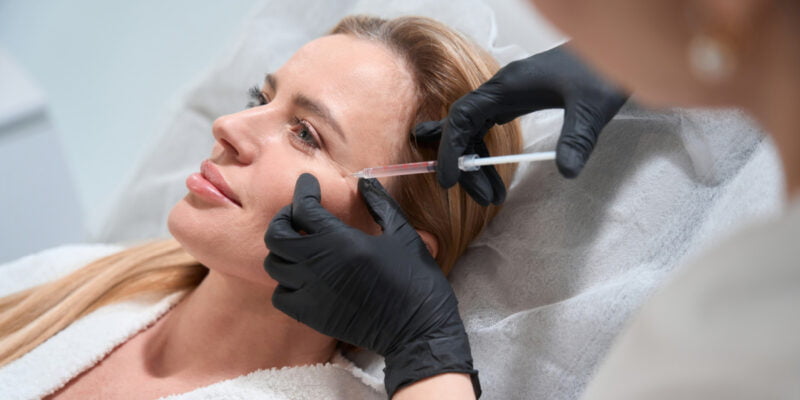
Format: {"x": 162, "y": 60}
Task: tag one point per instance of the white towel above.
{"x": 83, "y": 344}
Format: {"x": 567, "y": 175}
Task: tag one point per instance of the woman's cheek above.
{"x": 340, "y": 196}
{"x": 336, "y": 194}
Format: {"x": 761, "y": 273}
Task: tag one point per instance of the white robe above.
{"x": 88, "y": 340}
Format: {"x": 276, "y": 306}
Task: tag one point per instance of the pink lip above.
{"x": 211, "y": 184}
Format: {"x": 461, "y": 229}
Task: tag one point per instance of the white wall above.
{"x": 109, "y": 70}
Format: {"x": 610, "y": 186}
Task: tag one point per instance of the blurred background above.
{"x": 85, "y": 85}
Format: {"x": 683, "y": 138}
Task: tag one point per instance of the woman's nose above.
{"x": 235, "y": 132}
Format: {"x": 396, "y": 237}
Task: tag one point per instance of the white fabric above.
{"x": 725, "y": 328}
{"x": 550, "y": 282}
{"x": 48, "y": 265}
{"x": 83, "y": 344}
{"x": 545, "y": 289}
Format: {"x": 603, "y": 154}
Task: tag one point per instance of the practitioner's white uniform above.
{"x": 727, "y": 327}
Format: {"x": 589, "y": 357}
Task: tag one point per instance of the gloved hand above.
{"x": 385, "y": 293}
{"x": 553, "y": 79}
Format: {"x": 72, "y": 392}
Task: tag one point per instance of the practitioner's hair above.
{"x": 445, "y": 66}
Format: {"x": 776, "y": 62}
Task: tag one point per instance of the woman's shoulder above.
{"x": 49, "y": 264}
{"x": 338, "y": 379}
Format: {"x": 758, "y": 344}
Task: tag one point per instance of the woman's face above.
{"x": 338, "y": 105}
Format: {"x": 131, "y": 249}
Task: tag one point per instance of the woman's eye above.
{"x": 304, "y": 133}
{"x": 257, "y": 97}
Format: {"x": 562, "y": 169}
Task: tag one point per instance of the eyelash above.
{"x": 310, "y": 141}
{"x": 257, "y": 98}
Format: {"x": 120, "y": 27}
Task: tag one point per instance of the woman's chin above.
{"x": 196, "y": 234}
{"x": 221, "y": 250}
{"x": 177, "y": 221}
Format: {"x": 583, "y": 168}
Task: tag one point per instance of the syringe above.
{"x": 469, "y": 162}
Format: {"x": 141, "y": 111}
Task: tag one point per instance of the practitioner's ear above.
{"x": 430, "y": 242}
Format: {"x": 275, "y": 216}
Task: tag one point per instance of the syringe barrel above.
{"x": 400, "y": 169}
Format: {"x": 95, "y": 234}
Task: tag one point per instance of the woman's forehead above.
{"x": 364, "y": 84}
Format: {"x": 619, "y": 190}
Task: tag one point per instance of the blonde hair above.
{"x": 445, "y": 66}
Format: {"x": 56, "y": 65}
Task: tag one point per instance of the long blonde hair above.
{"x": 445, "y": 66}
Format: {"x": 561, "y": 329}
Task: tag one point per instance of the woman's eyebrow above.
{"x": 315, "y": 107}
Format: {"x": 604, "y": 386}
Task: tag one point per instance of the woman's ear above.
{"x": 430, "y": 242}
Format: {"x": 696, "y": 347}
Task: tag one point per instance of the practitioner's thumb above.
{"x": 308, "y": 214}
{"x": 381, "y": 205}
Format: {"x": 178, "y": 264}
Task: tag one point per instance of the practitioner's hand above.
{"x": 552, "y": 79}
{"x": 385, "y": 293}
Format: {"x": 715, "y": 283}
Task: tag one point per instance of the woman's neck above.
{"x": 775, "y": 99}
{"x": 228, "y": 327}
{"x": 786, "y": 135}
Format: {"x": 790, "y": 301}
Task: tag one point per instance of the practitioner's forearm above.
{"x": 443, "y": 386}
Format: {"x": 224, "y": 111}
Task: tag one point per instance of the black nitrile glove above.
{"x": 553, "y": 79}
{"x": 385, "y": 293}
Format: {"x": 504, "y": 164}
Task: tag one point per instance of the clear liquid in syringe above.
{"x": 397, "y": 169}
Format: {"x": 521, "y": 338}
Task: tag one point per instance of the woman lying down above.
{"x": 192, "y": 317}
